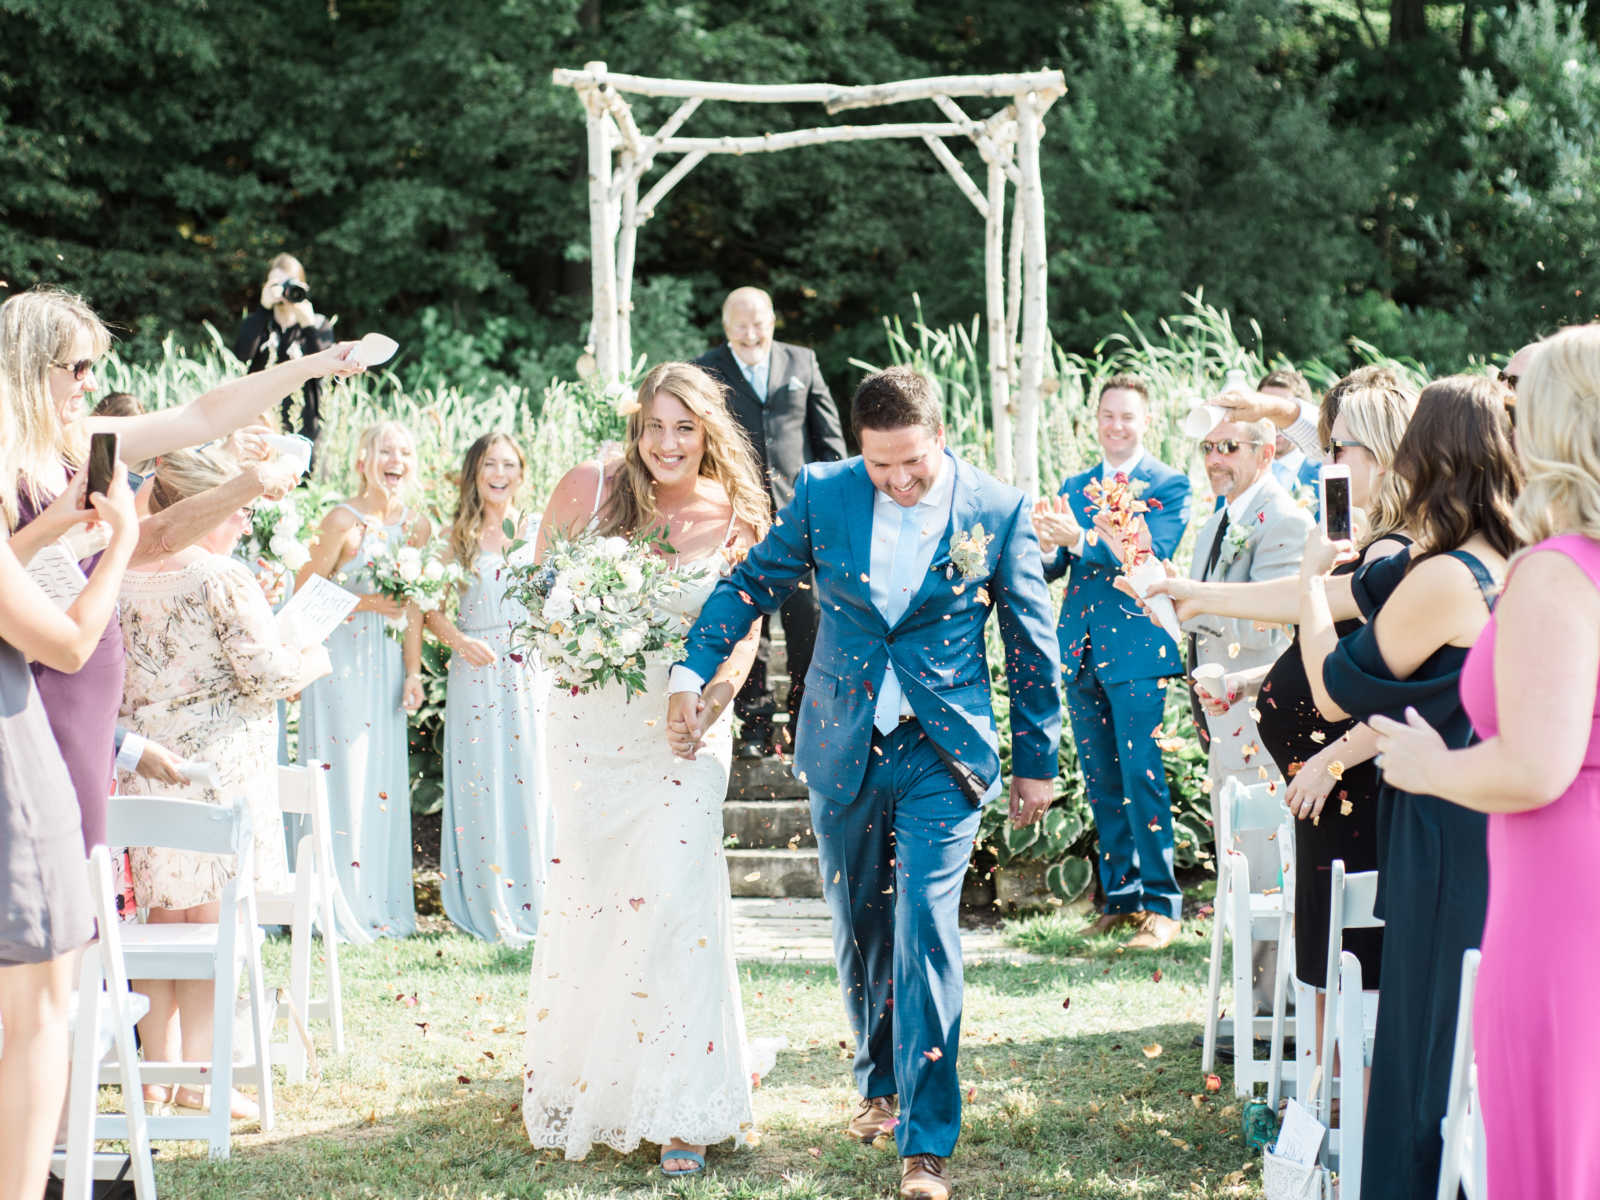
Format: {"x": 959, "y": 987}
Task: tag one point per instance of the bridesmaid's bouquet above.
{"x": 273, "y": 546}
{"x": 408, "y": 574}
{"x": 600, "y": 609}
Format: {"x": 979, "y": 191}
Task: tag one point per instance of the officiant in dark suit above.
{"x": 777, "y": 393}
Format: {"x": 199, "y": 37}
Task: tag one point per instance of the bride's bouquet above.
{"x": 412, "y": 575}
{"x": 600, "y": 609}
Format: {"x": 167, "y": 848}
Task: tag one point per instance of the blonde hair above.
{"x": 1558, "y": 437}
{"x": 467, "y": 527}
{"x": 290, "y": 264}
{"x": 727, "y": 458}
{"x": 185, "y": 473}
{"x": 1377, "y": 417}
{"x": 37, "y": 329}
{"x": 367, "y": 445}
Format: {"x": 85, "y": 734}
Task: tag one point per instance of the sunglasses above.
{"x": 1225, "y": 446}
{"x": 1510, "y": 380}
{"x": 79, "y": 369}
{"x": 1331, "y": 450}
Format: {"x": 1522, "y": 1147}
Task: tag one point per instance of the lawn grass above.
{"x": 1076, "y": 1062}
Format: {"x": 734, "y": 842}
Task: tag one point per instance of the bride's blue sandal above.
{"x": 699, "y": 1161}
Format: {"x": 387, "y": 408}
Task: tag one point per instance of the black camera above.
{"x": 294, "y": 292}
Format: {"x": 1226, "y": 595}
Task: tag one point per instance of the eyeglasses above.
{"x": 79, "y": 369}
{"x": 1331, "y": 450}
{"x": 1225, "y": 446}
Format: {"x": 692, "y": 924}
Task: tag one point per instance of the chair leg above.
{"x": 1214, "y": 972}
{"x": 261, "y": 1033}
{"x": 330, "y": 951}
{"x": 294, "y": 1058}
{"x": 1352, "y": 1067}
{"x": 83, "y": 1083}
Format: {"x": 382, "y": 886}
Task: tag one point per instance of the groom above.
{"x": 912, "y": 549}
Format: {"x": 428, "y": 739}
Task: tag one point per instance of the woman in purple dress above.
{"x": 44, "y": 903}
{"x": 1530, "y": 687}
{"x": 50, "y": 342}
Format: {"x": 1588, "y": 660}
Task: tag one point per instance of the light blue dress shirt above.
{"x": 899, "y": 560}
{"x": 758, "y": 375}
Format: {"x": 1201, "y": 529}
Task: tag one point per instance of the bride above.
{"x": 635, "y": 1029}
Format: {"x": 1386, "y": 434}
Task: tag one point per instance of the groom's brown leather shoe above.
{"x": 923, "y": 1177}
{"x": 1156, "y": 932}
{"x": 876, "y": 1118}
{"x": 1108, "y": 923}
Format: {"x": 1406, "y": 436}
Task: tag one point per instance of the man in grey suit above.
{"x": 777, "y": 393}
{"x": 1259, "y": 533}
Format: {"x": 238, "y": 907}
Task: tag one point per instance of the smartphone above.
{"x": 1336, "y": 502}
{"x": 102, "y": 465}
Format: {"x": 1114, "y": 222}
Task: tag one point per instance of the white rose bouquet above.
{"x": 273, "y": 545}
{"x": 413, "y": 575}
{"x": 599, "y": 609}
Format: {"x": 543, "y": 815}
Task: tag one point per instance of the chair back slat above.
{"x": 1253, "y": 806}
{"x": 296, "y": 790}
{"x": 138, "y": 820}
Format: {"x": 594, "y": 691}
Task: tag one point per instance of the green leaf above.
{"x": 1069, "y": 879}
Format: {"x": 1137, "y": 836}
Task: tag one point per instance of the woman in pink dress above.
{"x": 1530, "y": 686}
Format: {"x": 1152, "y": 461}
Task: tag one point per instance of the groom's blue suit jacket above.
{"x": 937, "y": 646}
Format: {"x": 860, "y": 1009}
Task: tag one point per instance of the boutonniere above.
{"x": 969, "y": 553}
{"x": 1234, "y": 543}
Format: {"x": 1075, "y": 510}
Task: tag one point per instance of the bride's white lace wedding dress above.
{"x": 635, "y": 1029}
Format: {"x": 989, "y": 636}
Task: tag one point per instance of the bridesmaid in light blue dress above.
{"x": 355, "y": 719}
{"x": 496, "y": 832}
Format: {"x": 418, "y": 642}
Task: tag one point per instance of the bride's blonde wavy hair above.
{"x": 1558, "y": 437}
{"x": 728, "y": 457}
{"x": 37, "y": 329}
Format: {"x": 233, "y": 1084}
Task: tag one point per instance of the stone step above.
{"x": 774, "y": 873}
{"x": 764, "y": 779}
{"x": 768, "y": 824}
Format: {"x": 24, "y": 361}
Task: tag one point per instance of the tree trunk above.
{"x": 1408, "y": 21}
{"x": 1467, "y": 7}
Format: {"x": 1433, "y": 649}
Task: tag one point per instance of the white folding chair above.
{"x": 1349, "y": 1018}
{"x": 1246, "y": 917}
{"x": 103, "y": 1025}
{"x": 1464, "y": 1164}
{"x": 310, "y": 900}
{"x": 223, "y": 952}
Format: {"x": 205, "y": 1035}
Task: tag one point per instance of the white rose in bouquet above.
{"x": 558, "y": 605}
{"x": 434, "y": 571}
{"x": 613, "y": 547}
{"x": 632, "y": 577}
{"x": 408, "y": 562}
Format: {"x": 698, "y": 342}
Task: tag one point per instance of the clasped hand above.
{"x": 686, "y": 723}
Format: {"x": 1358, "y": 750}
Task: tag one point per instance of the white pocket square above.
{"x": 796, "y": 384}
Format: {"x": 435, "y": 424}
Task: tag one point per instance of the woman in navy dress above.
{"x": 1425, "y": 608}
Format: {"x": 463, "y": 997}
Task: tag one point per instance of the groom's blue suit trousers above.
{"x": 892, "y": 866}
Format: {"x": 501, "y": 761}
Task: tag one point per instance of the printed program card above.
{"x": 314, "y": 612}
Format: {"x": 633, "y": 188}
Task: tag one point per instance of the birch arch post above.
{"x": 1015, "y": 268}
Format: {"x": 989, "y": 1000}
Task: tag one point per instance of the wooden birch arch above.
{"x": 621, "y": 154}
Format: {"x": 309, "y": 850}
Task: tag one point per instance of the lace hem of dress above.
{"x": 555, "y": 1121}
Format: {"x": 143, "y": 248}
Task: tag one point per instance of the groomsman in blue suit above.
{"x": 912, "y": 549}
{"x": 1114, "y": 662}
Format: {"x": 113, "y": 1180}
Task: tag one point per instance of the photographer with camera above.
{"x": 285, "y": 326}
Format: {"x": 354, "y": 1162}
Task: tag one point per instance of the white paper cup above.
{"x": 1208, "y": 679}
{"x": 1202, "y": 419}
{"x": 1141, "y": 577}
{"x": 374, "y": 350}
{"x": 294, "y": 450}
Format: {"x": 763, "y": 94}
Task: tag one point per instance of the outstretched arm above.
{"x": 1027, "y": 629}
{"x": 223, "y": 409}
